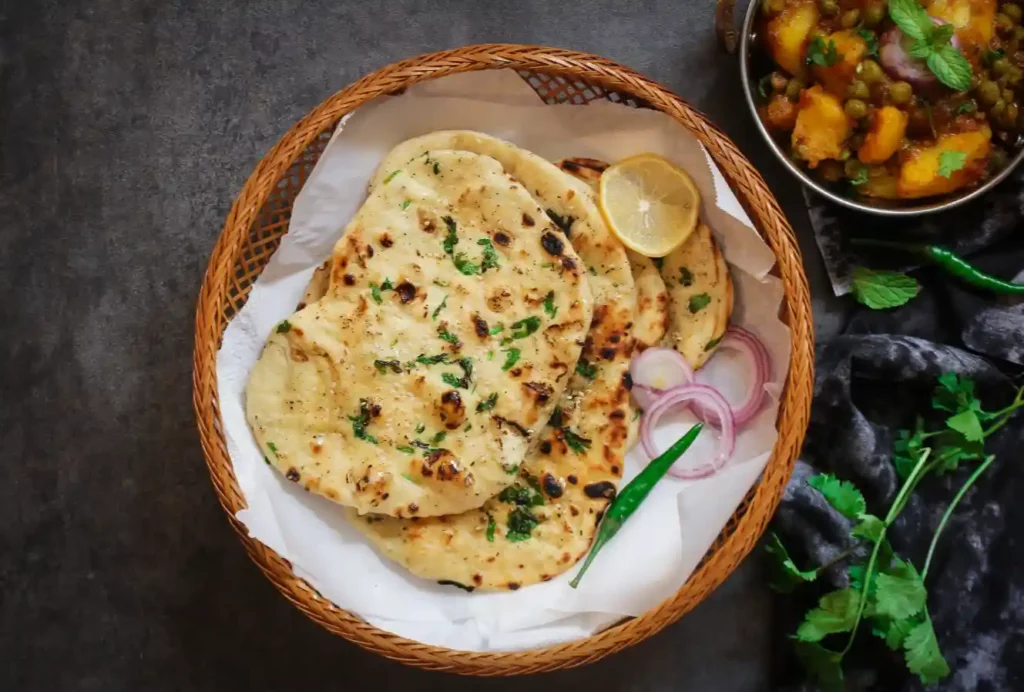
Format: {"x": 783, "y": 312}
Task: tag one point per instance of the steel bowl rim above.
{"x": 921, "y": 210}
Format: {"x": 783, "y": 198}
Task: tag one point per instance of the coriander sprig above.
{"x": 885, "y": 589}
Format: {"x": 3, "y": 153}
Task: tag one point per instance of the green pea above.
{"x": 1007, "y": 95}
{"x": 856, "y": 109}
{"x": 869, "y": 71}
{"x": 858, "y": 90}
{"x": 778, "y": 81}
{"x": 900, "y": 93}
{"x": 829, "y": 8}
{"x": 1004, "y": 25}
{"x": 988, "y": 92}
{"x": 874, "y": 14}
{"x": 997, "y": 109}
{"x": 1009, "y": 117}
{"x": 1018, "y": 33}
{"x": 850, "y": 18}
{"x": 1012, "y": 11}
{"x": 1000, "y": 66}
{"x": 998, "y": 159}
{"x": 793, "y": 89}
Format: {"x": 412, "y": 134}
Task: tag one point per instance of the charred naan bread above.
{"x": 694, "y": 313}
{"x": 415, "y": 386}
{"x": 318, "y": 285}
{"x": 544, "y": 523}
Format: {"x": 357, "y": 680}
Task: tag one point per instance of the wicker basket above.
{"x": 259, "y": 217}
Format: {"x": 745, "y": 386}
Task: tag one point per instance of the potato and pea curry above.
{"x": 902, "y": 99}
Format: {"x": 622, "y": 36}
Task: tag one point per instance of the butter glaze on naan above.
{"x": 416, "y": 386}
{"x": 578, "y": 463}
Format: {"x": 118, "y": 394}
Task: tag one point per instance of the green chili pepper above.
{"x": 633, "y": 494}
{"x": 952, "y": 263}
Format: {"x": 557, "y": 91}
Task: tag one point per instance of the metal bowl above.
{"x": 753, "y": 62}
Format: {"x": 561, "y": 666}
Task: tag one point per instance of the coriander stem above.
{"x": 907, "y": 488}
{"x": 840, "y": 557}
{"x": 949, "y": 510}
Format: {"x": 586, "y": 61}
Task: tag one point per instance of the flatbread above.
{"x": 576, "y": 467}
{"x": 692, "y": 330}
{"x": 416, "y": 387}
{"x": 318, "y": 285}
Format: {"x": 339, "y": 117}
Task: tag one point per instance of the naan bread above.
{"x": 416, "y": 385}
{"x": 546, "y": 522}
{"x": 318, "y": 285}
{"x": 692, "y": 328}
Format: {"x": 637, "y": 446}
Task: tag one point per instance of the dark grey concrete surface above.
{"x": 126, "y": 128}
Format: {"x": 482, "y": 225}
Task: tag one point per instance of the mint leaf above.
{"x": 900, "y": 592}
{"x": 922, "y": 654}
{"x": 842, "y": 495}
{"x": 836, "y": 612}
{"x": 920, "y": 49}
{"x": 784, "y": 575}
{"x": 822, "y": 665}
{"x": 967, "y": 424}
{"x": 950, "y": 67}
{"x": 883, "y": 289}
{"x": 950, "y": 162}
{"x": 941, "y": 35}
{"x": 910, "y": 18}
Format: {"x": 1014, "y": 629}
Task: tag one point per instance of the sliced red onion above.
{"x": 713, "y": 403}
{"x": 660, "y": 368}
{"x": 894, "y": 55}
{"x": 743, "y": 341}
{"x": 644, "y": 396}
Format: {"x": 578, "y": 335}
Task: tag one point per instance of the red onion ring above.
{"x": 714, "y": 403}
{"x": 644, "y": 396}
{"x": 744, "y": 342}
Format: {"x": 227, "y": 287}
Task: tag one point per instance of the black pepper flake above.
{"x": 552, "y": 244}
{"x": 406, "y": 291}
{"x": 601, "y": 489}
{"x": 292, "y": 474}
{"x": 572, "y": 480}
{"x": 385, "y": 240}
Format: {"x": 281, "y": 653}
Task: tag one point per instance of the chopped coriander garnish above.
{"x": 870, "y": 41}
{"x": 454, "y": 380}
{"x": 420, "y": 428}
{"x": 464, "y": 265}
{"x": 437, "y": 168}
{"x": 586, "y": 369}
{"x": 547, "y": 265}
{"x": 391, "y": 175}
{"x": 409, "y": 478}
{"x": 497, "y": 329}
{"x": 521, "y": 524}
{"x": 439, "y": 438}
{"x": 440, "y": 307}
{"x": 442, "y": 284}
{"x": 576, "y": 443}
{"x": 375, "y": 293}
{"x": 490, "y": 355}
{"x": 511, "y": 358}
{"x": 685, "y": 277}
{"x": 521, "y": 496}
{"x": 273, "y": 448}
{"x": 511, "y": 470}
{"x": 699, "y": 302}
{"x": 386, "y": 286}
{"x": 451, "y": 239}
{"x": 524, "y": 327}
{"x": 966, "y": 107}
{"x": 448, "y": 336}
{"x": 406, "y": 448}
{"x": 360, "y": 422}
{"x": 821, "y": 53}
{"x": 384, "y": 365}
{"x": 951, "y": 162}
{"x": 469, "y": 426}
{"x": 593, "y": 272}
{"x": 488, "y": 403}
{"x": 711, "y": 344}
{"x": 549, "y": 304}
{"x": 432, "y": 360}
{"x": 405, "y": 205}
{"x": 491, "y": 526}
{"x": 284, "y": 327}
{"x": 490, "y": 260}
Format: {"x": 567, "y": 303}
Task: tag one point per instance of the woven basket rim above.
{"x": 221, "y": 285}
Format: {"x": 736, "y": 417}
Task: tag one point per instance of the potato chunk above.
{"x": 786, "y": 35}
{"x": 973, "y": 20}
{"x": 821, "y": 127}
{"x": 919, "y": 173}
{"x": 885, "y": 137}
{"x": 850, "y": 48}
{"x": 779, "y": 114}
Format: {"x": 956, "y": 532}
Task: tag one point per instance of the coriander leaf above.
{"x": 284, "y": 327}
{"x": 990, "y": 56}
{"x": 883, "y": 289}
{"x": 714, "y": 342}
{"x": 907, "y": 449}
{"x": 950, "y": 162}
{"x": 524, "y": 327}
{"x": 464, "y": 265}
{"x": 406, "y": 448}
{"x": 497, "y": 329}
{"x": 950, "y": 67}
{"x": 384, "y": 365}
{"x": 856, "y": 576}
{"x": 420, "y": 428}
{"x": 438, "y": 438}
{"x": 439, "y": 308}
{"x": 391, "y": 175}
{"x": 868, "y": 526}
{"x": 586, "y": 369}
{"x": 437, "y": 168}
{"x": 764, "y": 87}
{"x": 511, "y": 358}
{"x": 967, "y": 424}
{"x": 375, "y": 293}
{"x": 842, "y": 495}
{"x": 698, "y": 302}
{"x": 784, "y": 575}
{"x": 273, "y": 449}
{"x": 911, "y": 18}
{"x": 511, "y": 470}
{"x": 822, "y": 665}
{"x": 953, "y": 448}
{"x": 488, "y": 403}
{"x": 360, "y": 422}
{"x": 454, "y": 381}
{"x": 954, "y": 394}
{"x": 966, "y": 107}
{"x": 576, "y": 443}
{"x": 861, "y": 177}
{"x": 836, "y": 612}
{"x": 870, "y": 41}
{"x": 451, "y": 239}
{"x": 432, "y": 360}
{"x": 822, "y": 54}
{"x": 448, "y": 336}
{"x": 405, "y": 205}
{"x": 521, "y": 523}
{"x": 922, "y": 654}
{"x": 894, "y": 632}
{"x": 490, "y": 259}
{"x": 491, "y": 526}
{"x": 900, "y": 592}
{"x": 549, "y": 305}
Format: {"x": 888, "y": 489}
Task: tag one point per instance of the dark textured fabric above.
{"x": 871, "y": 381}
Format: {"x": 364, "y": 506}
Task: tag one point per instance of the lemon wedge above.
{"x": 649, "y": 203}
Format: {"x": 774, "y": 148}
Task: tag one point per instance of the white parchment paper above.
{"x": 663, "y": 542}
